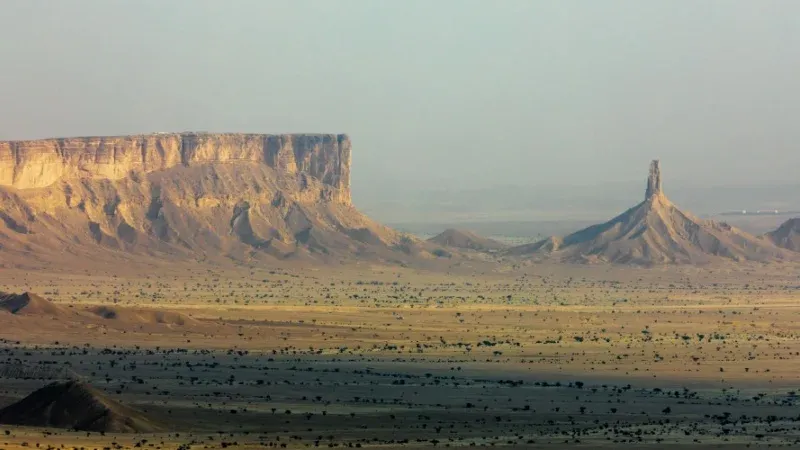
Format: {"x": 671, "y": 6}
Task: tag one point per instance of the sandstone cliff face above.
{"x": 42, "y": 163}
{"x": 191, "y": 195}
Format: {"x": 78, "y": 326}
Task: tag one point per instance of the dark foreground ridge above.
{"x": 75, "y": 405}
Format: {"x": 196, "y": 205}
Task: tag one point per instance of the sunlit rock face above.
{"x": 195, "y": 195}
{"x": 41, "y": 163}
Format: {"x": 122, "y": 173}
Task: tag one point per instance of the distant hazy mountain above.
{"x": 409, "y": 204}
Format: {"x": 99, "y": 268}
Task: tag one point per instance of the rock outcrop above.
{"x": 201, "y": 196}
{"x": 655, "y": 232}
{"x": 466, "y": 240}
{"x": 29, "y": 304}
{"x": 43, "y": 163}
{"x": 653, "y": 181}
{"x": 77, "y": 406}
{"x": 787, "y": 235}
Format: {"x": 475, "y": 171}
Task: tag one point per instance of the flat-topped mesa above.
{"x": 653, "y": 181}
{"x": 41, "y": 163}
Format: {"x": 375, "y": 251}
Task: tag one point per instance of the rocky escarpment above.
{"x": 197, "y": 195}
{"x": 42, "y": 163}
{"x": 656, "y": 232}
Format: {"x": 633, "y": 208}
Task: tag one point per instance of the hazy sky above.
{"x": 438, "y": 93}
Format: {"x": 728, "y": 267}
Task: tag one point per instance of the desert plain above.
{"x": 373, "y": 356}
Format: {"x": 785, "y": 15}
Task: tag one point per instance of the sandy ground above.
{"x": 535, "y": 356}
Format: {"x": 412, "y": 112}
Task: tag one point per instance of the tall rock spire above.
{"x": 653, "y": 181}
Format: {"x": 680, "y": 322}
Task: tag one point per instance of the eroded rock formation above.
{"x": 656, "y": 232}
{"x": 195, "y": 195}
{"x": 653, "y": 181}
{"x": 42, "y": 163}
